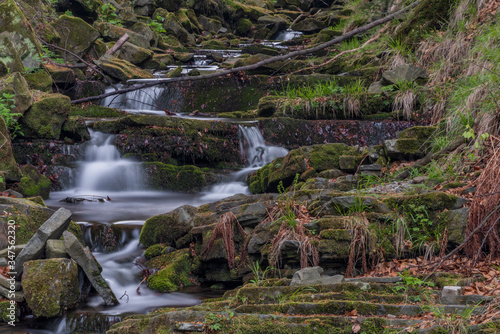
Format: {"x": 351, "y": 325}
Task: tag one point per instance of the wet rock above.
{"x": 50, "y": 286}
{"x": 134, "y": 54}
{"x": 87, "y": 262}
{"x": 19, "y": 47}
{"x": 46, "y": 116}
{"x": 17, "y": 86}
{"x": 8, "y": 164}
{"x": 33, "y": 183}
{"x": 77, "y": 35}
{"x": 53, "y": 228}
{"x": 402, "y": 73}
{"x": 168, "y": 227}
{"x": 55, "y": 249}
{"x": 174, "y": 73}
{"x": 121, "y": 69}
{"x": 312, "y": 276}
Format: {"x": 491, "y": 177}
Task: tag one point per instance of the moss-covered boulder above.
{"x": 167, "y": 227}
{"x": 413, "y": 141}
{"x": 77, "y": 35}
{"x": 17, "y": 86}
{"x": 153, "y": 251}
{"x": 46, "y": 116}
{"x": 39, "y": 81}
{"x": 33, "y": 183}
{"x": 75, "y": 129}
{"x": 50, "y": 286}
{"x": 309, "y": 25}
{"x": 298, "y": 161}
{"x": 9, "y": 311}
{"x": 134, "y": 54}
{"x": 121, "y": 69}
{"x": 173, "y": 27}
{"x": 174, "y": 275}
{"x": 160, "y": 176}
{"x": 112, "y": 32}
{"x": 61, "y": 76}
{"x": 18, "y": 41}
{"x": 210, "y": 24}
{"x": 8, "y": 165}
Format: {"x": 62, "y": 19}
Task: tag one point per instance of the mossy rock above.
{"x": 75, "y": 129}
{"x": 8, "y": 165}
{"x": 153, "y": 251}
{"x": 167, "y": 228}
{"x": 39, "y": 81}
{"x": 244, "y": 26}
{"x": 19, "y": 47}
{"x": 111, "y": 32}
{"x": 134, "y": 54}
{"x": 16, "y": 85}
{"x": 162, "y": 176}
{"x": 5, "y": 311}
{"x": 121, "y": 69}
{"x": 46, "y": 116}
{"x": 177, "y": 72}
{"x": 50, "y": 286}
{"x": 33, "y": 183}
{"x": 77, "y": 35}
{"x": 62, "y": 76}
{"x": 174, "y": 275}
{"x": 214, "y": 45}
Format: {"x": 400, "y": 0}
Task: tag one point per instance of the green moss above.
{"x": 433, "y": 201}
{"x": 174, "y": 275}
{"x": 335, "y": 234}
{"x": 153, "y": 251}
{"x": 46, "y": 116}
{"x": 33, "y": 183}
{"x": 334, "y": 248}
{"x": 324, "y": 157}
{"x": 5, "y": 312}
{"x": 244, "y": 26}
{"x": 174, "y": 178}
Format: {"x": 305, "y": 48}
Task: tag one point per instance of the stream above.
{"x": 112, "y": 222}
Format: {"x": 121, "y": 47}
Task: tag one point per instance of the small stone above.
{"x": 55, "y": 249}
{"x": 14, "y": 193}
{"x": 3, "y": 262}
{"x": 371, "y": 168}
{"x": 419, "y": 179}
{"x": 451, "y": 291}
{"x": 222, "y": 30}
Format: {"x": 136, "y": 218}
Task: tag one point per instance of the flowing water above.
{"x": 115, "y": 205}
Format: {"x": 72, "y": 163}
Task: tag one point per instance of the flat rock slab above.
{"x": 7, "y": 283}
{"x": 18, "y": 295}
{"x": 87, "y": 262}
{"x": 53, "y": 228}
{"x": 56, "y": 249}
{"x": 312, "y": 276}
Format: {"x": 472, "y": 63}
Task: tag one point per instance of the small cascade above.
{"x": 151, "y": 100}
{"x": 287, "y": 35}
{"x": 254, "y": 148}
{"x": 256, "y": 152}
{"x": 104, "y": 169}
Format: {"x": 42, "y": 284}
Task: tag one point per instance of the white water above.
{"x": 104, "y": 169}
{"x": 287, "y": 35}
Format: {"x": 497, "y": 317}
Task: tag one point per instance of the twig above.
{"x": 125, "y": 294}
{"x": 80, "y": 59}
{"x": 459, "y": 247}
{"x": 256, "y": 65}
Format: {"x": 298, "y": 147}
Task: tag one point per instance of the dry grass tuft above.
{"x": 360, "y": 243}
{"x": 405, "y": 101}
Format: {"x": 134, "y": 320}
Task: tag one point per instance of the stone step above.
{"x": 342, "y": 307}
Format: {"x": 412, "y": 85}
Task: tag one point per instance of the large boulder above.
{"x": 8, "y": 164}
{"x": 134, "y": 54}
{"x": 309, "y": 25}
{"x": 77, "y": 35}
{"x": 18, "y": 43}
{"x": 75, "y": 129}
{"x": 167, "y": 177}
{"x": 404, "y": 73}
{"x": 53, "y": 228}
{"x": 39, "y": 81}
{"x": 91, "y": 268}
{"x": 173, "y": 27}
{"x": 17, "y": 86}
{"x": 168, "y": 227}
{"x": 46, "y": 116}
{"x": 112, "y": 32}
{"x": 51, "y": 286}
{"x": 121, "y": 69}
{"x": 62, "y": 76}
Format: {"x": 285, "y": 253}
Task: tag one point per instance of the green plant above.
{"x": 354, "y": 91}
{"x": 285, "y": 200}
{"x": 108, "y": 13}
{"x": 412, "y": 287}
{"x": 216, "y": 322}
{"x": 453, "y": 323}
{"x": 259, "y": 275}
{"x": 156, "y": 24}
{"x": 6, "y": 107}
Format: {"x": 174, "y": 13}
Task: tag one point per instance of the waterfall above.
{"x": 104, "y": 169}
{"x": 254, "y": 148}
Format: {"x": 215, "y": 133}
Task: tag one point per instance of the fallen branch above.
{"x": 256, "y": 65}
{"x": 118, "y": 44}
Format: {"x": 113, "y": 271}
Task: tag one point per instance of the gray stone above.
{"x": 18, "y": 295}
{"x": 312, "y": 276}
{"x": 90, "y": 267}
{"x": 7, "y": 283}
{"x": 451, "y": 291}
{"x": 404, "y": 73}
{"x": 189, "y": 327}
{"x": 53, "y": 228}
{"x": 391, "y": 145}
{"x": 3, "y": 262}
{"x": 419, "y": 179}
{"x": 374, "y": 279}
{"x": 456, "y": 222}
{"x": 250, "y": 215}
{"x": 331, "y": 173}
{"x": 17, "y": 249}
{"x": 375, "y": 88}
{"x": 371, "y": 168}
{"x": 14, "y": 193}
{"x": 222, "y": 30}
{"x": 55, "y": 249}
{"x": 217, "y": 56}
